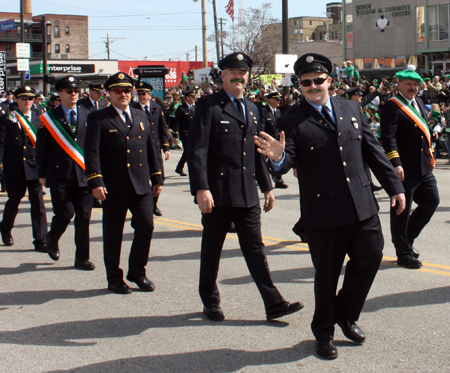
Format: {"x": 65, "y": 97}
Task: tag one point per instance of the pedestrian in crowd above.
{"x": 183, "y": 119}
{"x": 20, "y": 173}
{"x": 59, "y": 148}
{"x": 350, "y": 70}
{"x": 325, "y": 139}
{"x": 223, "y": 166}
{"x": 158, "y": 129}
{"x": 433, "y": 89}
{"x": 120, "y": 159}
{"x": 406, "y": 140}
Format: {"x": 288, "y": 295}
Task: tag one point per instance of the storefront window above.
{"x": 389, "y": 62}
{"x": 420, "y": 23}
{"x": 443, "y": 22}
{"x": 438, "y": 22}
{"x": 349, "y": 30}
{"x": 358, "y": 63}
{"x": 433, "y": 23}
{"x": 368, "y": 63}
{"x": 400, "y": 61}
{"x": 378, "y": 63}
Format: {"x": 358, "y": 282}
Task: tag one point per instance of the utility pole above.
{"x": 221, "y": 36}
{"x": 196, "y": 51}
{"x": 216, "y": 31}
{"x": 108, "y": 43}
{"x": 205, "y": 46}
{"x": 285, "y": 41}
{"x": 22, "y": 39}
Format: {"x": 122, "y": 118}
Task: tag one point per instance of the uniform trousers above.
{"x": 406, "y": 227}
{"x": 247, "y": 221}
{"x": 115, "y": 209}
{"x": 16, "y": 191}
{"x": 184, "y": 140}
{"x": 363, "y": 242}
{"x": 160, "y": 155}
{"x": 68, "y": 202}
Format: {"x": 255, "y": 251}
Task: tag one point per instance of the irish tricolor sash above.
{"x": 63, "y": 138}
{"x": 27, "y": 126}
{"x": 417, "y": 119}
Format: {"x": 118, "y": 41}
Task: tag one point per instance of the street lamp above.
{"x": 205, "y": 50}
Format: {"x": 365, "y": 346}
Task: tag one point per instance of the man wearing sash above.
{"x": 18, "y": 155}
{"x": 406, "y": 140}
{"x": 60, "y": 159}
{"x": 327, "y": 139}
{"x": 121, "y": 161}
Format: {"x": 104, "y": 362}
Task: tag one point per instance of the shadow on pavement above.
{"x": 409, "y": 299}
{"x": 31, "y": 267}
{"x": 218, "y": 361}
{"x": 67, "y": 333}
{"x": 296, "y": 275}
{"x": 43, "y": 296}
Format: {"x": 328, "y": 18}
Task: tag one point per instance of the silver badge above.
{"x": 71, "y": 79}
{"x": 355, "y": 123}
{"x": 309, "y": 59}
{"x": 240, "y": 57}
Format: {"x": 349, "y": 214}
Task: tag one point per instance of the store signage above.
{"x": 71, "y": 69}
{"x": 392, "y": 11}
{"x": 7, "y": 25}
{"x": 23, "y": 50}
{"x": 2, "y": 72}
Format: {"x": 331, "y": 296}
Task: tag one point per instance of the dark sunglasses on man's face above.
{"x": 142, "y": 93}
{"x": 70, "y": 91}
{"x": 119, "y": 91}
{"x": 308, "y": 82}
{"x": 27, "y": 98}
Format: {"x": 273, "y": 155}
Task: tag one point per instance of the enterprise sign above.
{"x": 395, "y": 11}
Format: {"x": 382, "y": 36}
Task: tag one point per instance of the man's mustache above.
{"x": 314, "y": 90}
{"x": 239, "y": 80}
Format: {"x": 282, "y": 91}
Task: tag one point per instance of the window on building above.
{"x": 8, "y": 47}
{"x": 400, "y": 61}
{"x": 57, "y": 49}
{"x": 336, "y": 34}
{"x": 443, "y": 22}
{"x": 67, "y": 48}
{"x": 310, "y": 23}
{"x": 420, "y": 23}
{"x": 389, "y": 62}
{"x": 320, "y": 36}
{"x": 378, "y": 63}
{"x": 368, "y": 63}
{"x": 313, "y": 36}
{"x": 67, "y": 30}
{"x": 56, "y": 31}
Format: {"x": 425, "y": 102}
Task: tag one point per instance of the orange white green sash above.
{"x": 412, "y": 113}
{"x": 27, "y": 126}
{"x": 63, "y": 138}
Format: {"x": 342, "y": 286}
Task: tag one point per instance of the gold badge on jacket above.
{"x": 141, "y": 125}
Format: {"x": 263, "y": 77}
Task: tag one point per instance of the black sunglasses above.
{"x": 118, "y": 91}
{"x": 308, "y": 82}
{"x": 27, "y": 98}
{"x": 70, "y": 91}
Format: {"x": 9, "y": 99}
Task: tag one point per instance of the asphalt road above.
{"x": 54, "y": 318}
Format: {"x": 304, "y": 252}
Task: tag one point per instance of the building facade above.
{"x": 383, "y": 36}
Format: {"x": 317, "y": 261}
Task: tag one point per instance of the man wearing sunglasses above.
{"x": 60, "y": 143}
{"x": 326, "y": 139}
{"x": 18, "y": 156}
{"x": 121, "y": 161}
{"x": 93, "y": 102}
{"x": 158, "y": 127}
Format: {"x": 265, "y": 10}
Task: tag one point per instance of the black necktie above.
{"x": 327, "y": 116}
{"x": 146, "y": 110}
{"x": 240, "y": 107}
{"x": 73, "y": 122}
{"x": 127, "y": 119}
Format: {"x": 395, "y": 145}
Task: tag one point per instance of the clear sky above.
{"x": 155, "y": 29}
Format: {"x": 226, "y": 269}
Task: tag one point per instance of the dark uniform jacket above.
{"x": 334, "y": 187}
{"x": 183, "y": 119}
{"x": 53, "y": 162}
{"x": 17, "y": 152}
{"x": 119, "y": 158}
{"x": 404, "y": 143}
{"x": 38, "y": 109}
{"x": 269, "y": 120}
{"x": 222, "y": 156}
{"x": 158, "y": 127}
{"x": 4, "y": 109}
{"x": 86, "y": 103}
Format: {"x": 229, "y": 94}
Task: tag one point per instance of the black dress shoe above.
{"x": 231, "y": 228}
{"x": 120, "y": 288}
{"x": 40, "y": 246}
{"x": 411, "y": 263}
{"x": 416, "y": 253}
{"x": 7, "y": 239}
{"x": 143, "y": 283}
{"x": 97, "y": 203}
{"x": 180, "y": 172}
{"x": 157, "y": 211}
{"x": 281, "y": 185}
{"x": 85, "y": 265}
{"x": 283, "y": 309}
{"x": 52, "y": 249}
{"x": 214, "y": 313}
{"x": 327, "y": 350}
{"x": 351, "y": 330}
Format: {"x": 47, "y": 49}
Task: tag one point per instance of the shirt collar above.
{"x": 319, "y": 107}
{"x": 67, "y": 110}
{"x": 409, "y": 101}
{"x": 121, "y": 111}
{"x": 232, "y": 97}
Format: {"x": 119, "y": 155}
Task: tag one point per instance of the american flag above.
{"x": 230, "y": 9}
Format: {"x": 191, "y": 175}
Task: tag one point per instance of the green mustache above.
{"x": 237, "y": 80}
{"x": 314, "y": 90}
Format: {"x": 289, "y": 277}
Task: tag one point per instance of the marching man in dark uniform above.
{"x": 120, "y": 162}
{"x": 93, "y": 102}
{"x": 18, "y": 156}
{"x": 60, "y": 143}
{"x": 326, "y": 139}
{"x": 158, "y": 128}
{"x": 223, "y": 167}
{"x": 37, "y": 104}
{"x": 406, "y": 140}
{"x": 269, "y": 114}
{"x": 183, "y": 118}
